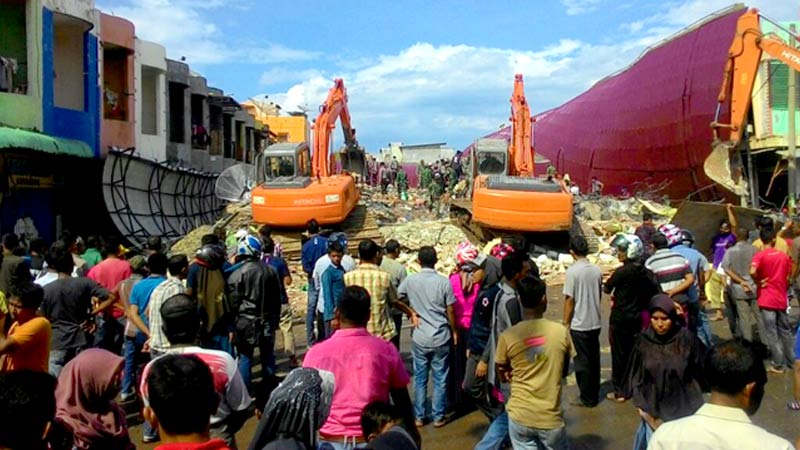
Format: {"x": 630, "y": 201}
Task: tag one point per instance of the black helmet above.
{"x": 687, "y": 238}
{"x": 212, "y": 255}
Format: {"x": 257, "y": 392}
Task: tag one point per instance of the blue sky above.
{"x": 416, "y": 71}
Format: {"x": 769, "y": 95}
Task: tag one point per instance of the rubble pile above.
{"x": 442, "y": 235}
{"x": 608, "y": 216}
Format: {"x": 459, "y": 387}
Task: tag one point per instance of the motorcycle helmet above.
{"x": 249, "y": 245}
{"x": 672, "y": 233}
{"x": 630, "y": 244}
{"x": 211, "y": 255}
{"x": 687, "y": 238}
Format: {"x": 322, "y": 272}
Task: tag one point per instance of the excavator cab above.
{"x": 491, "y": 156}
{"x": 284, "y": 163}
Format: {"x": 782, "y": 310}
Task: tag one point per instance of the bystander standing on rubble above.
{"x": 632, "y": 288}
{"x": 313, "y": 249}
{"x": 596, "y": 187}
{"x": 431, "y": 298}
{"x": 743, "y": 313}
{"x": 771, "y": 270}
{"x": 385, "y": 177}
{"x": 645, "y": 232}
{"x": 533, "y": 356}
{"x": 397, "y": 273}
{"x": 582, "y": 291}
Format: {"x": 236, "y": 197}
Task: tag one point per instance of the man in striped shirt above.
{"x": 381, "y": 290}
{"x": 672, "y": 271}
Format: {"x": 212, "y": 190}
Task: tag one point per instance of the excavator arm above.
{"x": 744, "y": 56}
{"x": 335, "y": 107}
{"x": 520, "y": 150}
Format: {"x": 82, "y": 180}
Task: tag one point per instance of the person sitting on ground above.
{"x": 181, "y": 400}
{"x": 27, "y": 409}
{"x": 85, "y": 402}
{"x": 181, "y": 325}
{"x": 382, "y": 427}
{"x": 27, "y": 346}
{"x": 735, "y": 372}
{"x": 296, "y": 410}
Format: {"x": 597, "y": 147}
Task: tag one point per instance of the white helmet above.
{"x": 628, "y": 243}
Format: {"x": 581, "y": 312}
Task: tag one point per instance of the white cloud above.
{"x": 180, "y": 26}
{"x": 575, "y": 7}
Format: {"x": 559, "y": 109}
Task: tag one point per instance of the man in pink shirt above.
{"x": 366, "y": 369}
{"x": 771, "y": 269}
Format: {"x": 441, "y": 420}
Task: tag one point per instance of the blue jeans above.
{"x": 133, "y": 361}
{"x": 331, "y": 445}
{"x": 704, "y": 328}
{"x": 437, "y": 361}
{"x": 220, "y": 342}
{"x": 311, "y": 311}
{"x": 496, "y": 436}
{"x": 778, "y": 334}
{"x": 642, "y": 437}
{"x": 527, "y": 438}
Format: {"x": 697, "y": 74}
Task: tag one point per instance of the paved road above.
{"x": 608, "y": 426}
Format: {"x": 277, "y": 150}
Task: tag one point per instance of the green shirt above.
{"x": 92, "y": 257}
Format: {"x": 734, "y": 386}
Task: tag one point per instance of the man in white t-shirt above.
{"x": 735, "y": 372}
{"x": 582, "y": 290}
{"x": 181, "y": 324}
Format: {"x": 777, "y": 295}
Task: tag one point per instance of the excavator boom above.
{"x": 521, "y": 152}
{"x": 335, "y": 107}
{"x": 739, "y": 77}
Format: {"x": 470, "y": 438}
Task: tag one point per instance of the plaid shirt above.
{"x": 165, "y": 290}
{"x": 382, "y": 293}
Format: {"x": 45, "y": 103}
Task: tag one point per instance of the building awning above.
{"x": 12, "y": 138}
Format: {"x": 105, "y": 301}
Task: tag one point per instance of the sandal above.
{"x": 615, "y": 398}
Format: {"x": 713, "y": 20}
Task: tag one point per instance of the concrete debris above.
{"x": 442, "y": 235}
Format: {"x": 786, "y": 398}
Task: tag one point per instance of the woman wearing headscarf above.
{"x": 296, "y": 410}
{"x": 85, "y": 406}
{"x": 664, "y": 376}
{"x": 465, "y": 289}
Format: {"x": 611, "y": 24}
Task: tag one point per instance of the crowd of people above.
{"x": 88, "y": 332}
{"x": 433, "y": 179}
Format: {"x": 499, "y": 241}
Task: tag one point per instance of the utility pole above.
{"x": 791, "y": 135}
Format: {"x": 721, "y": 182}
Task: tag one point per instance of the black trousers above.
{"x": 587, "y": 365}
{"x": 622, "y": 336}
{"x": 478, "y": 390}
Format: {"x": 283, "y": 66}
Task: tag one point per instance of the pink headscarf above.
{"x": 466, "y": 252}
{"x": 85, "y": 402}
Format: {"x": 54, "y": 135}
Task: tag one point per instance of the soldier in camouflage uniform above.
{"x": 425, "y": 175}
{"x": 435, "y": 191}
{"x": 401, "y": 182}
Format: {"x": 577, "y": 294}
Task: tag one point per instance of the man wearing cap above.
{"x": 181, "y": 325}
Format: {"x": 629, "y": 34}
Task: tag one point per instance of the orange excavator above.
{"x": 506, "y": 195}
{"x": 294, "y": 187}
{"x": 723, "y": 164}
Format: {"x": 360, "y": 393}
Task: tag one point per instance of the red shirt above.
{"x": 774, "y": 266}
{"x": 365, "y": 367}
{"x": 110, "y": 272}
{"x": 213, "y": 444}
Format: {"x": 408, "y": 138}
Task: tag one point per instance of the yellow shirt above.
{"x": 780, "y": 244}
{"x": 33, "y": 346}
{"x": 381, "y": 292}
{"x": 536, "y": 350}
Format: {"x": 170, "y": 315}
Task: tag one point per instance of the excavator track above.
{"x": 360, "y": 225}
{"x": 538, "y": 243}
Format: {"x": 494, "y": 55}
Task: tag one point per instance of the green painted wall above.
{"x": 21, "y": 23}
{"x": 778, "y": 85}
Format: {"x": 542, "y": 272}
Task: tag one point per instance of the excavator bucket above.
{"x": 724, "y": 166}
